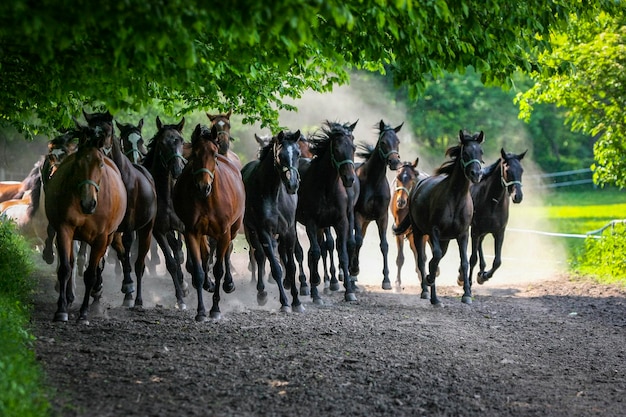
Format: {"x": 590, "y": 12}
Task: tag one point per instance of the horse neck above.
{"x": 458, "y": 180}
{"x": 329, "y": 172}
{"x": 375, "y": 165}
{"x": 496, "y": 191}
{"x": 163, "y": 182}
{"x": 271, "y": 182}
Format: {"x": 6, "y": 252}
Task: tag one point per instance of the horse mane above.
{"x": 447, "y": 167}
{"x": 487, "y": 171}
{"x": 265, "y": 150}
{"x": 320, "y": 140}
{"x": 36, "y": 190}
{"x": 367, "y": 151}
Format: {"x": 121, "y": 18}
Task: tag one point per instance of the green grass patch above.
{"x": 21, "y": 390}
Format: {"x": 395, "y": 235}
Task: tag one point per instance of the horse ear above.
{"x": 281, "y": 136}
{"x": 353, "y": 125}
{"x": 298, "y": 135}
{"x": 229, "y": 113}
{"x": 481, "y": 137}
{"x": 118, "y": 125}
{"x": 180, "y": 126}
{"x": 503, "y": 154}
{"x": 417, "y": 160}
{"x": 158, "y": 123}
{"x": 210, "y": 116}
{"x": 521, "y": 156}
{"x": 109, "y": 116}
{"x": 461, "y": 136}
{"x": 397, "y": 129}
{"x": 381, "y": 125}
{"x": 140, "y": 124}
{"x": 258, "y": 139}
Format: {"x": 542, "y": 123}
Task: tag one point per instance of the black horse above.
{"x": 490, "y": 196}
{"x": 271, "y": 184}
{"x": 374, "y": 195}
{"x": 165, "y": 162}
{"x": 328, "y": 192}
{"x": 441, "y": 207}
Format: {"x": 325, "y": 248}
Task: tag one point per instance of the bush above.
{"x": 606, "y": 258}
{"x": 21, "y": 391}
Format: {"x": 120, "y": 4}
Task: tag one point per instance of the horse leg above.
{"x": 222, "y": 247}
{"x": 144, "y": 243}
{"x": 342, "y": 231}
{"x": 324, "y": 253}
{"x": 384, "y": 249}
{"x": 64, "y": 274}
{"x": 92, "y": 277}
{"x": 399, "y": 261}
{"x": 476, "y": 242}
{"x": 467, "y": 285}
{"x": 172, "y": 267}
{"x": 314, "y": 257}
{"x": 207, "y": 251}
{"x": 420, "y": 263}
{"x": 48, "y": 251}
{"x": 270, "y": 249}
{"x": 256, "y": 249}
{"x": 329, "y": 242}
{"x": 197, "y": 271}
{"x": 81, "y": 258}
{"x": 154, "y": 258}
{"x": 286, "y": 249}
{"x": 299, "y": 254}
{"x": 360, "y": 227}
{"x": 498, "y": 239}
{"x": 128, "y": 287}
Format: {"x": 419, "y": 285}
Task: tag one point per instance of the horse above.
{"x": 326, "y": 197}
{"x": 165, "y": 162}
{"x": 9, "y": 190}
{"x": 85, "y": 200}
{"x": 374, "y": 195}
{"x": 403, "y": 183}
{"x": 131, "y": 141}
{"x": 141, "y": 206}
{"x": 441, "y": 207}
{"x": 271, "y": 185}
{"x": 491, "y": 208}
{"x": 209, "y": 198}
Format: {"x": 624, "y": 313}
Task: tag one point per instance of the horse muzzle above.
{"x": 401, "y": 203}
{"x": 204, "y": 190}
{"x": 88, "y": 206}
{"x": 394, "y": 163}
{"x": 517, "y": 195}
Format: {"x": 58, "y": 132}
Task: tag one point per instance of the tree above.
{"x": 584, "y": 72}
{"x": 57, "y": 56}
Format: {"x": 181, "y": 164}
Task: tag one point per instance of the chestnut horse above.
{"x": 501, "y": 180}
{"x": 86, "y": 201}
{"x": 374, "y": 197}
{"x": 441, "y": 207}
{"x": 165, "y": 162}
{"x": 328, "y": 192}
{"x": 141, "y": 206}
{"x": 209, "y": 198}
{"x": 271, "y": 185}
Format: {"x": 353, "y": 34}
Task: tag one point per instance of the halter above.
{"x": 466, "y": 164}
{"x": 506, "y": 183}
{"x": 133, "y": 150}
{"x": 89, "y": 182}
{"x": 205, "y": 171}
{"x": 336, "y": 164}
{"x": 384, "y": 155}
{"x": 406, "y": 190}
{"x": 173, "y": 155}
{"x": 279, "y": 166}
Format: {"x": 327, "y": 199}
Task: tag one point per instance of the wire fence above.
{"x": 560, "y": 179}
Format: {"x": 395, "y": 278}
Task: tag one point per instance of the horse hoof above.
{"x": 318, "y": 301}
{"x": 285, "y": 309}
{"x": 215, "y": 315}
{"x": 437, "y": 304}
{"x": 334, "y": 286}
{"x": 128, "y": 302}
{"x": 349, "y": 296}
{"x": 48, "y": 257}
{"x": 386, "y": 285}
{"x": 261, "y": 298}
{"x": 481, "y": 278}
{"x": 304, "y": 290}
{"x": 82, "y": 320}
{"x": 228, "y": 287}
{"x": 459, "y": 281}
{"x": 425, "y": 295}
{"x": 298, "y": 309}
{"x": 467, "y": 299}
{"x": 181, "y": 306}
{"x": 201, "y": 318}
{"x": 327, "y": 291}
{"x": 357, "y": 289}
{"x": 63, "y": 317}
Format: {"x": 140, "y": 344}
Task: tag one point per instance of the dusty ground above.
{"x": 532, "y": 349}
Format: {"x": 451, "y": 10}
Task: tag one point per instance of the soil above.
{"x": 552, "y": 347}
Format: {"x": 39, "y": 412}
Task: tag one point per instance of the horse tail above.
{"x": 402, "y": 227}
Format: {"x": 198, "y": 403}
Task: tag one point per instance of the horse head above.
{"x": 88, "y": 170}
{"x": 341, "y": 150}
{"x": 131, "y": 141}
{"x": 222, "y": 124}
{"x": 203, "y": 162}
{"x": 102, "y": 123}
{"x": 388, "y": 144}
{"x": 511, "y": 174}
{"x": 405, "y": 181}
{"x": 471, "y": 154}
{"x": 286, "y": 152}
{"x": 169, "y": 146}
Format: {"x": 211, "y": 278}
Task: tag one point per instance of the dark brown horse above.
{"x": 209, "y": 198}
{"x": 132, "y": 141}
{"x": 328, "y": 192}
{"x": 405, "y": 180}
{"x": 141, "y": 206}
{"x": 271, "y": 184}
{"x": 165, "y": 162}
{"x": 441, "y": 207}
{"x": 502, "y": 182}
{"x": 374, "y": 196}
{"x": 86, "y": 201}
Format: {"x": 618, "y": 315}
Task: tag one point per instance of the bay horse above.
{"x": 326, "y": 198}
{"x": 85, "y": 200}
{"x": 271, "y": 185}
{"x": 209, "y": 198}
{"x": 502, "y": 182}
{"x": 165, "y": 162}
{"x": 406, "y": 178}
{"x": 141, "y": 206}
{"x": 441, "y": 207}
{"x": 9, "y": 190}
{"x": 374, "y": 195}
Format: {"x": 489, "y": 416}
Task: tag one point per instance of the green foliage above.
{"x": 248, "y": 55}
{"x": 605, "y": 258}
{"x": 584, "y": 72}
{"x": 21, "y": 391}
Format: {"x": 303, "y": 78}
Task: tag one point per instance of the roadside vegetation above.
{"x": 21, "y": 390}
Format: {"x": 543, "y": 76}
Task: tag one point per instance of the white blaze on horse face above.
{"x": 134, "y": 139}
{"x": 221, "y": 123}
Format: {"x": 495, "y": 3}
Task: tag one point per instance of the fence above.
{"x": 560, "y": 179}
